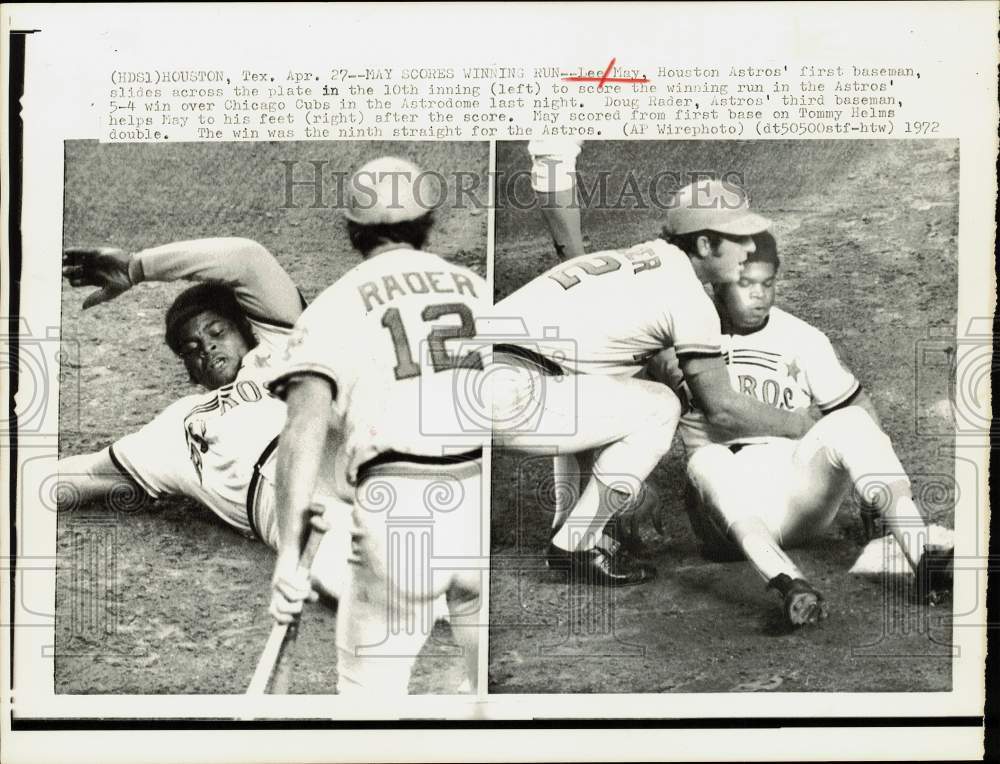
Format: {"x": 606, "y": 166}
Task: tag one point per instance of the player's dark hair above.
{"x": 688, "y": 242}
{"x": 766, "y": 250}
{"x": 365, "y": 238}
{"x": 199, "y": 298}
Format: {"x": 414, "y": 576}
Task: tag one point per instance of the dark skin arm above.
{"x": 734, "y": 415}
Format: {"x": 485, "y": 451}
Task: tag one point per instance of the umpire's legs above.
{"x": 417, "y": 527}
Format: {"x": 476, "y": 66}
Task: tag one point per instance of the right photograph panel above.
{"x": 723, "y": 416}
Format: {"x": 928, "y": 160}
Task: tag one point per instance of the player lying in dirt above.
{"x": 749, "y": 498}
{"x": 216, "y": 447}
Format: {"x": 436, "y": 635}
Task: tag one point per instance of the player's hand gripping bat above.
{"x": 273, "y": 667}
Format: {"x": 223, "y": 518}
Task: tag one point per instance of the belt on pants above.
{"x": 254, "y": 486}
{"x": 737, "y": 447}
{"x": 546, "y": 364}
{"x": 390, "y": 457}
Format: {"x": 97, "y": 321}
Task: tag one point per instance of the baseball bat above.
{"x": 273, "y": 659}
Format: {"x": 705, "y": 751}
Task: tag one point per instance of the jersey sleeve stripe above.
{"x": 131, "y": 474}
{"x": 841, "y": 400}
{"x": 698, "y": 351}
{"x": 745, "y": 362}
{"x": 271, "y": 322}
{"x": 279, "y": 385}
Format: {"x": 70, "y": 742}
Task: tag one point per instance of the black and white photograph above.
{"x": 197, "y": 299}
{"x": 566, "y": 381}
{"x": 723, "y": 455}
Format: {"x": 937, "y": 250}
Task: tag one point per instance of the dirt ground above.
{"x": 868, "y": 238}
{"x": 178, "y": 600}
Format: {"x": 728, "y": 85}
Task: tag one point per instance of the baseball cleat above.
{"x": 599, "y": 567}
{"x": 626, "y": 533}
{"x": 871, "y": 522}
{"x": 934, "y": 573}
{"x": 802, "y": 603}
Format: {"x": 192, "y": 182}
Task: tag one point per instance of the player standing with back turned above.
{"x": 372, "y": 371}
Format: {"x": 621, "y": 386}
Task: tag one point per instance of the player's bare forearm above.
{"x": 740, "y": 415}
{"x": 261, "y": 285}
{"x": 300, "y": 454}
{"x": 731, "y": 414}
{"x": 89, "y": 477}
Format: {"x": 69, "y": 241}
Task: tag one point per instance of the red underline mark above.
{"x": 604, "y": 78}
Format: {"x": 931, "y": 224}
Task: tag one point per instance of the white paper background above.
{"x": 68, "y": 67}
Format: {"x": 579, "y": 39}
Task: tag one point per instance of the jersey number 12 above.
{"x": 441, "y": 359}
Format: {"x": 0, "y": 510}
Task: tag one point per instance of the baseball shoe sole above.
{"x": 802, "y": 603}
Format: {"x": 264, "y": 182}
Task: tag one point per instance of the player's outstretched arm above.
{"x": 104, "y": 267}
{"x": 262, "y": 287}
{"x": 300, "y": 454}
{"x": 734, "y": 414}
{"x": 90, "y": 477}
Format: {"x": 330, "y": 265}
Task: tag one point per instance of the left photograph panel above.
{"x": 267, "y": 341}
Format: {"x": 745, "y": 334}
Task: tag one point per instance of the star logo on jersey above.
{"x": 295, "y": 341}
{"x": 793, "y": 369}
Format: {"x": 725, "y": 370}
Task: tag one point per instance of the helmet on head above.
{"x": 713, "y": 206}
{"x": 384, "y": 192}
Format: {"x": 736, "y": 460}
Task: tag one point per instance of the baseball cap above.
{"x": 382, "y": 192}
{"x": 711, "y": 205}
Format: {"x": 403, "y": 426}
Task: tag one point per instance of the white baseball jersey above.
{"x": 787, "y": 364}
{"x": 395, "y": 337}
{"x": 205, "y": 446}
{"x": 610, "y": 312}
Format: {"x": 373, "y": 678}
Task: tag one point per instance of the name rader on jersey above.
{"x": 414, "y": 282}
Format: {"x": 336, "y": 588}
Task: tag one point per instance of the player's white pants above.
{"x": 794, "y": 487}
{"x": 553, "y": 163}
{"x": 631, "y": 421}
{"x": 417, "y": 536}
{"x": 330, "y": 570}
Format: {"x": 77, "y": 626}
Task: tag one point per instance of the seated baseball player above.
{"x": 595, "y": 321}
{"x": 373, "y": 418}
{"x": 752, "y": 497}
{"x": 216, "y": 447}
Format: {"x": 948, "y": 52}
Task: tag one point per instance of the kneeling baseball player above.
{"x": 370, "y": 382}
{"x": 755, "y": 496}
{"x": 595, "y": 322}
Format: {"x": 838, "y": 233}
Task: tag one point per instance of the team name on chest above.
{"x": 391, "y": 286}
{"x": 765, "y": 376}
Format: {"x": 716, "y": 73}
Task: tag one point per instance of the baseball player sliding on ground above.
{"x": 370, "y": 382}
{"x": 754, "y": 496}
{"x": 594, "y": 322}
{"x": 216, "y": 447}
